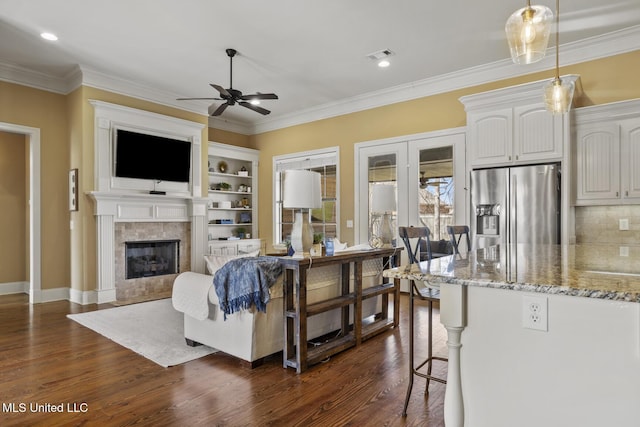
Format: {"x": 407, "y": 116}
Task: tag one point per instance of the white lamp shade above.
{"x": 302, "y": 190}
{"x": 383, "y": 198}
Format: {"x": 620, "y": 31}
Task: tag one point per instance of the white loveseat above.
{"x": 251, "y": 335}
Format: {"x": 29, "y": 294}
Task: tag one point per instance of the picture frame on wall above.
{"x": 73, "y": 190}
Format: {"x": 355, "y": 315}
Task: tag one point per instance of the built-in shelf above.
{"x": 240, "y": 195}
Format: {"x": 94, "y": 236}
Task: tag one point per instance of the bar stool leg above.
{"x": 411, "y": 369}
{"x": 429, "y": 347}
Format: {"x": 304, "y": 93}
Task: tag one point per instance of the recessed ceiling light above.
{"x": 49, "y": 36}
{"x": 381, "y": 57}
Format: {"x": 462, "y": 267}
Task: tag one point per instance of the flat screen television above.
{"x": 143, "y": 156}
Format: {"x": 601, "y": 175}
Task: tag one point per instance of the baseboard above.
{"x": 14, "y": 288}
{"x": 57, "y": 294}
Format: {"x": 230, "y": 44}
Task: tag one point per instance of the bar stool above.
{"x": 455, "y": 235}
{"x": 420, "y": 252}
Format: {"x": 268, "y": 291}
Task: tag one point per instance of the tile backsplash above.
{"x": 600, "y": 224}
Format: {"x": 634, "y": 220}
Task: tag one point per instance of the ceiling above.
{"x": 312, "y": 54}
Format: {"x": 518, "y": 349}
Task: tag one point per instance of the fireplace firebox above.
{"x": 152, "y": 258}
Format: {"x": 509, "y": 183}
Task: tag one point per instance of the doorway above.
{"x": 32, "y": 138}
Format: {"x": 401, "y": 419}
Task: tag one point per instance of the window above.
{"x": 324, "y": 220}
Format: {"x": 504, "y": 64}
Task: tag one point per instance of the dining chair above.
{"x": 455, "y": 235}
{"x": 416, "y": 241}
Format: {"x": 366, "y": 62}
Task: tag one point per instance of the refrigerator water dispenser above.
{"x": 488, "y": 219}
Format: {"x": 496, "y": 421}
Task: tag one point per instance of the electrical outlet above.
{"x": 623, "y": 224}
{"x": 535, "y": 313}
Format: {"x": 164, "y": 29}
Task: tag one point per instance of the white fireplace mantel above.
{"x": 111, "y": 207}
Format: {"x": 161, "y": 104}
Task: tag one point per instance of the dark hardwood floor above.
{"x": 48, "y": 359}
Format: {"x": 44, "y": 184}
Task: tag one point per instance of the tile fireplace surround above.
{"x": 125, "y": 209}
{"x": 153, "y": 287}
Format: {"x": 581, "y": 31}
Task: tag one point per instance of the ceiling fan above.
{"x": 233, "y": 96}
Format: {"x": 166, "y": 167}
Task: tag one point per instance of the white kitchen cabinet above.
{"x": 630, "y": 167}
{"x": 598, "y": 162}
{"x": 232, "y": 208}
{"x": 491, "y": 133}
{"x": 511, "y": 126}
{"x": 537, "y": 134}
{"x": 608, "y": 154}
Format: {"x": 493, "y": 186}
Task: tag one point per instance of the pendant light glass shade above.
{"x": 528, "y": 33}
{"x": 558, "y": 95}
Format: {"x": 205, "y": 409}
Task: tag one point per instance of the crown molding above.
{"x": 25, "y": 77}
{"x": 231, "y": 125}
{"x": 100, "y": 80}
{"x": 610, "y": 44}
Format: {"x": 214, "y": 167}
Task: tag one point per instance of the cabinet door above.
{"x": 630, "y": 159}
{"x": 223, "y": 248}
{"x": 598, "y": 163}
{"x": 537, "y": 134}
{"x": 491, "y": 136}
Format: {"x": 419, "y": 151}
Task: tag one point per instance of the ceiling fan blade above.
{"x": 260, "y": 96}
{"x": 220, "y": 109}
{"x": 194, "y": 99}
{"x": 223, "y": 91}
{"x": 254, "y": 108}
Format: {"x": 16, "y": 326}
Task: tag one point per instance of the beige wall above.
{"x": 14, "y": 212}
{"x": 603, "y": 81}
{"x": 46, "y": 111}
{"x": 231, "y": 138}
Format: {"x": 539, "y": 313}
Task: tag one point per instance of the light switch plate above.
{"x": 624, "y": 224}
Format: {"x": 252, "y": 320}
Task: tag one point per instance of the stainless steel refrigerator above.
{"x": 515, "y": 205}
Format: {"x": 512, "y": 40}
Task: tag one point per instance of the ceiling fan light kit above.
{"x": 527, "y": 32}
{"x": 233, "y": 96}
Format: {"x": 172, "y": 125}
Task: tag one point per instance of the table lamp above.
{"x": 383, "y": 201}
{"x": 301, "y": 192}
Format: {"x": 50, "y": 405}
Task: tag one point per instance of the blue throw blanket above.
{"x": 245, "y": 282}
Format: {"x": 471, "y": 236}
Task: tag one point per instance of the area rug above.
{"x": 152, "y": 329}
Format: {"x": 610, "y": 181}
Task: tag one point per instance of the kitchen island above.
{"x": 577, "y": 364}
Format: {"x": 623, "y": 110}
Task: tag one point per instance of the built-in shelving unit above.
{"x": 232, "y": 208}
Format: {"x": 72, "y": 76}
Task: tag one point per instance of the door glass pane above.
{"x": 383, "y": 178}
{"x": 324, "y": 220}
{"x": 435, "y": 192}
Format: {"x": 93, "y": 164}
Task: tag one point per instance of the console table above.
{"x": 296, "y": 311}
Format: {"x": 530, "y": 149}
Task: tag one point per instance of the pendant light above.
{"x": 558, "y": 95}
{"x": 528, "y": 33}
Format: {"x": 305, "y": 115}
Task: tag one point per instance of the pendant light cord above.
{"x": 557, "y": 39}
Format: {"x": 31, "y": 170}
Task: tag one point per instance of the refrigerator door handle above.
{"x": 513, "y": 224}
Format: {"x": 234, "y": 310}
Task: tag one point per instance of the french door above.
{"x": 428, "y": 173}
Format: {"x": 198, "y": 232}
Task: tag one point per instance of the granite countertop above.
{"x": 594, "y": 271}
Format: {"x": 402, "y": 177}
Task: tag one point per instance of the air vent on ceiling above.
{"x": 376, "y": 56}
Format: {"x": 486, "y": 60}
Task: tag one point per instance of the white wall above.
{"x": 584, "y": 371}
